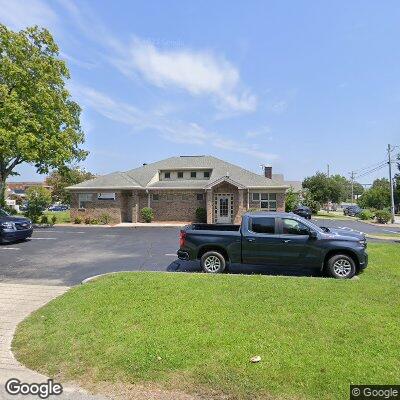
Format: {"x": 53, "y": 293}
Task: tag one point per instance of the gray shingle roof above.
{"x": 147, "y": 175}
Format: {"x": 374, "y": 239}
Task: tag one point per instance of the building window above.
{"x": 155, "y": 197}
{"x": 105, "y": 196}
{"x": 193, "y": 174}
{"x": 206, "y": 174}
{"x": 266, "y": 201}
{"x": 180, "y": 174}
{"x": 167, "y": 175}
{"x": 200, "y": 196}
{"x": 83, "y": 199}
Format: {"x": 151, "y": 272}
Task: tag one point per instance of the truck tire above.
{"x": 341, "y": 266}
{"x": 213, "y": 262}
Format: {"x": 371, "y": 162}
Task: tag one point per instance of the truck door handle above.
{"x": 286, "y": 241}
{"x": 250, "y": 239}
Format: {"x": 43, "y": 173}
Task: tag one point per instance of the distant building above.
{"x": 19, "y": 188}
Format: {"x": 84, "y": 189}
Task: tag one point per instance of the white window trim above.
{"x": 271, "y": 203}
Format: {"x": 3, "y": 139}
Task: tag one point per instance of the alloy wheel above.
{"x": 212, "y": 264}
{"x": 342, "y": 267}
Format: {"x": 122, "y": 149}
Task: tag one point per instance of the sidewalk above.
{"x": 16, "y": 303}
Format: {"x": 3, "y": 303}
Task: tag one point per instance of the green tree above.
{"x": 291, "y": 200}
{"x": 378, "y": 196}
{"x": 64, "y": 177}
{"x": 39, "y": 123}
{"x": 38, "y": 198}
{"x": 344, "y": 187}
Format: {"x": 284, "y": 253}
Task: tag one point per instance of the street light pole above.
{"x": 391, "y": 183}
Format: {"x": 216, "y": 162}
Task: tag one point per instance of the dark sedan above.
{"x": 14, "y": 228}
{"x": 303, "y": 211}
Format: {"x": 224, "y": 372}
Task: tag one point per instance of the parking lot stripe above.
{"x": 35, "y": 238}
{"x": 10, "y": 248}
{"x": 171, "y": 255}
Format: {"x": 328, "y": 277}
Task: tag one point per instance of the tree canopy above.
{"x": 378, "y": 196}
{"x": 64, "y": 177}
{"x": 39, "y": 122}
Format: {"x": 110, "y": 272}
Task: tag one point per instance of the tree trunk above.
{"x": 2, "y": 190}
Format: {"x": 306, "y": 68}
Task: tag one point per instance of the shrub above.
{"x": 313, "y": 205}
{"x": 39, "y": 198}
{"x": 366, "y": 215}
{"x": 77, "y": 220}
{"x": 147, "y": 214}
{"x": 53, "y": 219}
{"x": 104, "y": 219}
{"x": 201, "y": 214}
{"x": 44, "y": 219}
{"x": 87, "y": 220}
{"x": 94, "y": 221}
{"x": 383, "y": 216}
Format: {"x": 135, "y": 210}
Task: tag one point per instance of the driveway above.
{"x": 67, "y": 255}
{"x": 357, "y": 226}
{"x": 64, "y": 256}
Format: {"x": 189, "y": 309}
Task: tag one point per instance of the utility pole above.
{"x": 352, "y": 187}
{"x": 328, "y": 170}
{"x": 389, "y": 150}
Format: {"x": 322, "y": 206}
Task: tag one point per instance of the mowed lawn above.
{"x": 197, "y": 332}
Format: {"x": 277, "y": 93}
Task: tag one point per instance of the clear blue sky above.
{"x": 294, "y": 84}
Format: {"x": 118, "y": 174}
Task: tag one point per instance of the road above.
{"x": 67, "y": 255}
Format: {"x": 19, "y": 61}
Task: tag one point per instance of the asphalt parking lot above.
{"x": 68, "y": 255}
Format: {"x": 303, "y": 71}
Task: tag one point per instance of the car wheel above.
{"x": 341, "y": 266}
{"x": 213, "y": 262}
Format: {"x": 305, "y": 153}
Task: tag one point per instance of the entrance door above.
{"x": 224, "y": 215}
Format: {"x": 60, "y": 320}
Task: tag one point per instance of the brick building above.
{"x": 174, "y": 188}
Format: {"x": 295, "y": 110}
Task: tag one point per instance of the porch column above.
{"x": 209, "y": 205}
{"x": 241, "y": 207}
{"x": 135, "y": 206}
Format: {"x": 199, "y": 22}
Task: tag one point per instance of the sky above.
{"x": 292, "y": 84}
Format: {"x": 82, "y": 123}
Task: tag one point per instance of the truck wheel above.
{"x": 341, "y": 266}
{"x": 213, "y": 262}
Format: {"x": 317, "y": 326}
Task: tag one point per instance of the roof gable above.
{"x": 146, "y": 176}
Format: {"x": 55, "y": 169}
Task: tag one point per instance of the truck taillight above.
{"x": 182, "y": 238}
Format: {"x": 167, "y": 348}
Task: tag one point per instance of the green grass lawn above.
{"x": 331, "y": 215}
{"x": 316, "y": 336}
{"x": 62, "y": 216}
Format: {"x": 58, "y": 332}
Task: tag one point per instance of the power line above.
{"x": 377, "y": 168}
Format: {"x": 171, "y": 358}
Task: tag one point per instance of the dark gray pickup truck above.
{"x": 276, "y": 239}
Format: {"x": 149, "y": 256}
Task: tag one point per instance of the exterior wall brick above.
{"x": 173, "y": 205}
{"x": 96, "y": 208}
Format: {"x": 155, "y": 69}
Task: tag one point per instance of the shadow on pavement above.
{"x": 194, "y": 266}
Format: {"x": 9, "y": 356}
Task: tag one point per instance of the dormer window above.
{"x": 206, "y": 174}
{"x": 180, "y": 174}
{"x": 167, "y": 175}
{"x": 193, "y": 174}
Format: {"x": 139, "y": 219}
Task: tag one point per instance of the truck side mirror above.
{"x": 313, "y": 235}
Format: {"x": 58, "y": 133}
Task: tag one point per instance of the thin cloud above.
{"x": 198, "y": 73}
{"x": 172, "y": 130}
{"x": 19, "y": 14}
